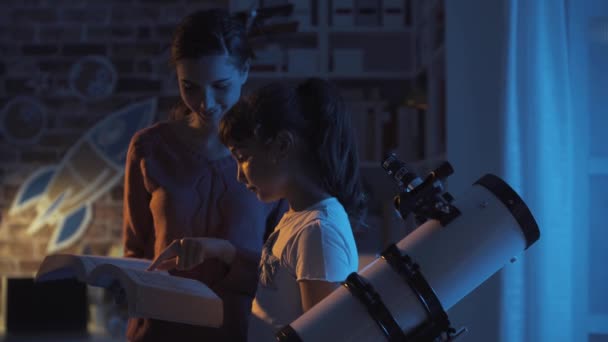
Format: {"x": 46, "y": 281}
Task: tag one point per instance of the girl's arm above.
{"x": 313, "y": 291}
{"x": 137, "y": 218}
{"x": 322, "y": 260}
{"x": 247, "y": 224}
{"x": 186, "y": 253}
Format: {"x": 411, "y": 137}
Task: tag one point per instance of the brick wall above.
{"x": 49, "y": 99}
{"x": 50, "y": 96}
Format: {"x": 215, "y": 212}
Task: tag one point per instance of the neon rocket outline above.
{"x": 62, "y": 194}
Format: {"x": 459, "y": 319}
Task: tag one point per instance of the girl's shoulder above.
{"x": 327, "y": 214}
{"x": 316, "y": 232}
{"x": 151, "y": 133}
{"x": 147, "y": 139}
{"x": 329, "y": 210}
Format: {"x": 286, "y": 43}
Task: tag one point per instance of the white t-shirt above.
{"x": 312, "y": 244}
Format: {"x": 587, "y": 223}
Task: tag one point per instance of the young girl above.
{"x": 294, "y": 143}
{"x": 180, "y": 180}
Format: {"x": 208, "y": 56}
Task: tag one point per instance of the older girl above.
{"x": 180, "y": 180}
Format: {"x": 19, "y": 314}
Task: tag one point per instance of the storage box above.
{"x": 368, "y": 13}
{"x": 343, "y": 13}
{"x": 302, "y": 61}
{"x": 347, "y": 61}
{"x": 393, "y": 13}
{"x": 408, "y": 133}
{"x": 270, "y": 58}
{"x": 302, "y": 12}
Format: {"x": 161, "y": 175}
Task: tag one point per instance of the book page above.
{"x": 182, "y": 307}
{"x": 164, "y": 280}
{"x": 176, "y": 299}
{"x": 159, "y": 295}
{"x": 93, "y": 261}
{"x": 63, "y": 266}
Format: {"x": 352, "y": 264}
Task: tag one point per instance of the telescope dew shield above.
{"x": 494, "y": 226}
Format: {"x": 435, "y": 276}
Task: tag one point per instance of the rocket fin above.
{"x": 32, "y": 189}
{"x": 70, "y": 229}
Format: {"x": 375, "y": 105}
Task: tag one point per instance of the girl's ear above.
{"x": 283, "y": 144}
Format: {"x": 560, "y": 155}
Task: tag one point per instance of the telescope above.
{"x": 404, "y": 294}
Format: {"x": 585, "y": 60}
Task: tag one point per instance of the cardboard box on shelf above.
{"x": 347, "y": 61}
{"x": 302, "y": 13}
{"x": 368, "y": 13}
{"x": 343, "y": 13}
{"x": 302, "y": 61}
{"x": 393, "y": 13}
{"x": 268, "y": 59}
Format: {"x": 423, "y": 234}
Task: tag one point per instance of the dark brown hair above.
{"x": 315, "y": 112}
{"x": 205, "y": 33}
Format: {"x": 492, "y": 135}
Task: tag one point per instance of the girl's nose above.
{"x": 207, "y": 101}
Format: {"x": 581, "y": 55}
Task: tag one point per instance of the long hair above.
{"x": 205, "y": 33}
{"x": 316, "y": 113}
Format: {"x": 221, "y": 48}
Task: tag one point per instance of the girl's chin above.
{"x": 209, "y": 120}
{"x": 263, "y": 197}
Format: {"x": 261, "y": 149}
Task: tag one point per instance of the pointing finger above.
{"x": 172, "y": 251}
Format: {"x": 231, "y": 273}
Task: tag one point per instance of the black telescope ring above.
{"x": 438, "y": 322}
{"x": 515, "y": 204}
{"x": 367, "y": 295}
{"x": 288, "y": 334}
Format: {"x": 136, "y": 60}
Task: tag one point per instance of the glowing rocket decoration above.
{"x": 62, "y": 194}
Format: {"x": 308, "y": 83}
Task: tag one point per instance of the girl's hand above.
{"x": 187, "y": 253}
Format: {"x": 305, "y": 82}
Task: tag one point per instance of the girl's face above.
{"x": 259, "y": 171}
{"x": 209, "y": 86}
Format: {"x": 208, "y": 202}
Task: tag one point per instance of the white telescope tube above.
{"x": 495, "y": 225}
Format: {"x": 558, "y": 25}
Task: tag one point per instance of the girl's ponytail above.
{"x": 334, "y": 147}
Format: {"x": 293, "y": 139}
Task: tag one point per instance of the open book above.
{"x": 149, "y": 294}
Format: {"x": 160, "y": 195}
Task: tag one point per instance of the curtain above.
{"x": 542, "y": 149}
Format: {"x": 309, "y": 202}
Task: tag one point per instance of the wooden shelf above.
{"x": 281, "y": 75}
{"x": 368, "y": 164}
{"x": 370, "y": 30}
{"x": 414, "y": 164}
{"x": 373, "y": 75}
{"x": 308, "y": 30}
{"x": 365, "y": 75}
{"x": 377, "y": 48}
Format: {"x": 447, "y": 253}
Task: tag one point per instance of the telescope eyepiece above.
{"x": 406, "y": 179}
